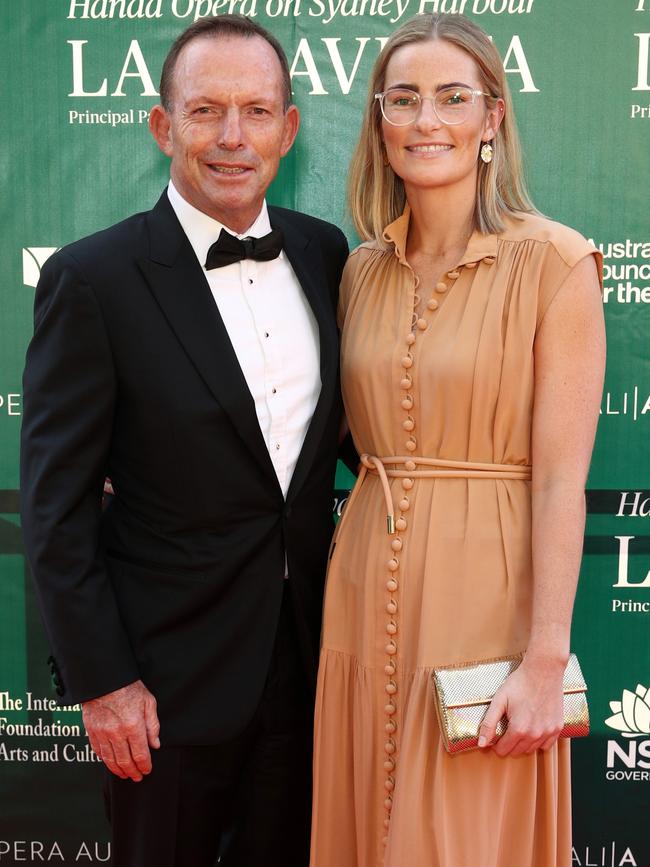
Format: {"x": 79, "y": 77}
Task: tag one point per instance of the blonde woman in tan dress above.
{"x": 472, "y": 365}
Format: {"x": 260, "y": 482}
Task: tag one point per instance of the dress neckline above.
{"x": 479, "y": 247}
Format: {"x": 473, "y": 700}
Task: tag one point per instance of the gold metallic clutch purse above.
{"x": 463, "y": 694}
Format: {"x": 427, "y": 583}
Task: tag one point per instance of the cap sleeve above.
{"x": 562, "y": 255}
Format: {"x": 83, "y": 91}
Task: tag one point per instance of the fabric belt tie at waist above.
{"x": 433, "y": 468}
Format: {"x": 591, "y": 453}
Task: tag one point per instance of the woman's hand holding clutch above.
{"x": 532, "y": 701}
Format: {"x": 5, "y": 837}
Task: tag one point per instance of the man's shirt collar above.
{"x": 203, "y": 230}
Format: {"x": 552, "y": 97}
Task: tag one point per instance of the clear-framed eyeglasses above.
{"x": 401, "y": 106}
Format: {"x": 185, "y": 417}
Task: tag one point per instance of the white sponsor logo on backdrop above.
{"x": 643, "y": 68}
{"x": 610, "y": 855}
{"x": 631, "y": 715}
{"x": 14, "y": 728}
{"x": 624, "y": 579}
{"x": 38, "y": 851}
{"x": 108, "y": 118}
{"x": 629, "y": 760}
{"x": 632, "y": 504}
{"x": 625, "y": 281}
{"x": 306, "y": 66}
{"x": 33, "y": 260}
{"x": 638, "y": 110}
{"x": 283, "y": 8}
{"x": 632, "y": 403}
{"x": 478, "y": 7}
{"x": 11, "y": 404}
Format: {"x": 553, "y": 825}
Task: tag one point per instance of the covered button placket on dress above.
{"x": 397, "y": 527}
{"x": 419, "y": 325}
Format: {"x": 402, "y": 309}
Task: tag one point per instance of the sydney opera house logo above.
{"x": 33, "y": 260}
{"x": 631, "y": 715}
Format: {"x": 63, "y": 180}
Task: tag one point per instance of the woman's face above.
{"x": 428, "y": 153}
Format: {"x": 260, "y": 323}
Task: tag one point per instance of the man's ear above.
{"x": 291, "y": 126}
{"x": 160, "y": 127}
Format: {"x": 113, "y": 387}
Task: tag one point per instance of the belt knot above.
{"x": 400, "y": 467}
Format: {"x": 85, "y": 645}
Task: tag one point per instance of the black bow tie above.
{"x": 228, "y": 249}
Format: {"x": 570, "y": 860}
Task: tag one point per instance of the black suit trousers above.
{"x": 243, "y": 803}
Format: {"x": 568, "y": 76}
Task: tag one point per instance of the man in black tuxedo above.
{"x": 190, "y": 354}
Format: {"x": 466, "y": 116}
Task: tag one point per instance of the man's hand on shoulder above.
{"x": 121, "y": 727}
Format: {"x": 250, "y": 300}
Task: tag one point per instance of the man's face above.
{"x": 227, "y": 128}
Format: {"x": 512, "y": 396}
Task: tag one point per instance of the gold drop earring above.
{"x": 487, "y": 152}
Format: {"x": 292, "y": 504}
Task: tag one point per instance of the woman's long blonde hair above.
{"x": 376, "y": 195}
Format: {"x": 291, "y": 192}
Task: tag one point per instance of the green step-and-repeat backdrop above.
{"x": 79, "y": 78}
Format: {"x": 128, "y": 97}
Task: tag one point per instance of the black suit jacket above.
{"x": 131, "y": 375}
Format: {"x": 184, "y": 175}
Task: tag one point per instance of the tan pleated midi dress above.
{"x": 441, "y": 409}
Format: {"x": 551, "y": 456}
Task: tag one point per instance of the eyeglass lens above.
{"x": 452, "y": 105}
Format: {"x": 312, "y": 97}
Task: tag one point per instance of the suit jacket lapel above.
{"x": 177, "y": 281}
{"x": 307, "y": 263}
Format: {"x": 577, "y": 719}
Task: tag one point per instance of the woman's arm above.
{"x": 569, "y": 371}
